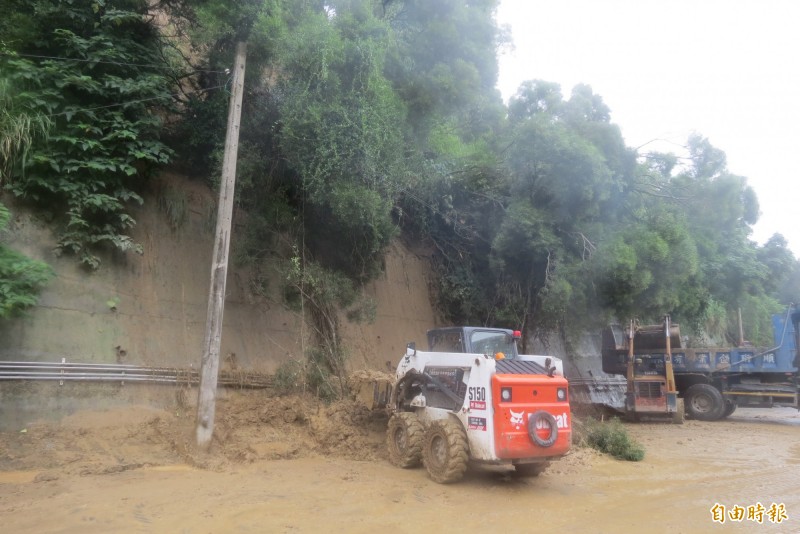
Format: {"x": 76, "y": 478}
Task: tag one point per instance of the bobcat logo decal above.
{"x": 517, "y": 418}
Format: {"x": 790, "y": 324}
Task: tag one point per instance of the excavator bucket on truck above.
{"x": 651, "y": 391}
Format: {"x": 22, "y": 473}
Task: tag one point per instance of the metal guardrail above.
{"x": 601, "y": 390}
{"x": 101, "y": 372}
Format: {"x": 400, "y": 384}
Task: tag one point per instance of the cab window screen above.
{"x": 491, "y": 343}
{"x": 447, "y": 342}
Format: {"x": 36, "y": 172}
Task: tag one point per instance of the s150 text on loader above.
{"x": 474, "y": 399}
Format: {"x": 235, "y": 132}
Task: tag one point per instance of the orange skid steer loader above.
{"x": 473, "y": 399}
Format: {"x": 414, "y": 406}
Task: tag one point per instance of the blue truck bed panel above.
{"x": 734, "y": 360}
{"x": 779, "y": 358}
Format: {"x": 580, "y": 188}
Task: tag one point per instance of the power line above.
{"x": 122, "y": 63}
{"x": 74, "y": 111}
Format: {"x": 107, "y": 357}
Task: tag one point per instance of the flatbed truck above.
{"x": 714, "y": 381}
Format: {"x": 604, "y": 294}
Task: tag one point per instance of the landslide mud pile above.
{"x": 250, "y": 426}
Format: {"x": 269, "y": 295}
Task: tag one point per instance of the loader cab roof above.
{"x": 473, "y": 340}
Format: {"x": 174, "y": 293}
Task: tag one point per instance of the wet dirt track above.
{"x": 752, "y": 458}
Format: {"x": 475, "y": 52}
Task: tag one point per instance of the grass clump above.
{"x": 610, "y": 437}
{"x": 289, "y": 377}
{"x": 321, "y": 374}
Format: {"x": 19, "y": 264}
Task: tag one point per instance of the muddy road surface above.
{"x": 281, "y": 465}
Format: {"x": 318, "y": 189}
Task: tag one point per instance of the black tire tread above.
{"x": 713, "y": 393}
{"x": 551, "y": 422}
{"x": 415, "y": 434}
{"x": 457, "y": 451}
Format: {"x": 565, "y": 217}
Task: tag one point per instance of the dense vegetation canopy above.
{"x": 369, "y": 120}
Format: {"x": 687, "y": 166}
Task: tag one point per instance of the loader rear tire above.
{"x": 445, "y": 451}
{"x": 404, "y": 439}
{"x": 704, "y": 402}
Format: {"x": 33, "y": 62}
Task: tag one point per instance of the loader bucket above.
{"x": 372, "y": 389}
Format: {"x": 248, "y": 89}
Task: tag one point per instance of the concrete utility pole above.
{"x": 207, "y": 397}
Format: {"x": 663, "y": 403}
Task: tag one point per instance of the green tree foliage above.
{"x": 443, "y": 63}
{"x": 21, "y": 278}
{"x": 719, "y": 209}
{"x": 648, "y": 267}
{"x": 554, "y": 193}
{"x": 322, "y": 294}
{"x": 366, "y": 118}
{"x": 584, "y": 229}
{"x": 340, "y": 130}
{"x": 95, "y": 70}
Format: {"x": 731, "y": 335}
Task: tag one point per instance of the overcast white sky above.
{"x": 726, "y": 69}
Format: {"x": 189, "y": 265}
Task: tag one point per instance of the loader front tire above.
{"x": 404, "y": 439}
{"x": 445, "y": 451}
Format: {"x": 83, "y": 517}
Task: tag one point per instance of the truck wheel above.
{"x": 544, "y": 419}
{"x": 730, "y": 407}
{"x": 680, "y": 414}
{"x": 445, "y": 452}
{"x": 531, "y": 470}
{"x": 404, "y": 439}
{"x": 704, "y": 402}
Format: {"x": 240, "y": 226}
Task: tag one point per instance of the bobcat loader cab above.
{"x": 474, "y": 399}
